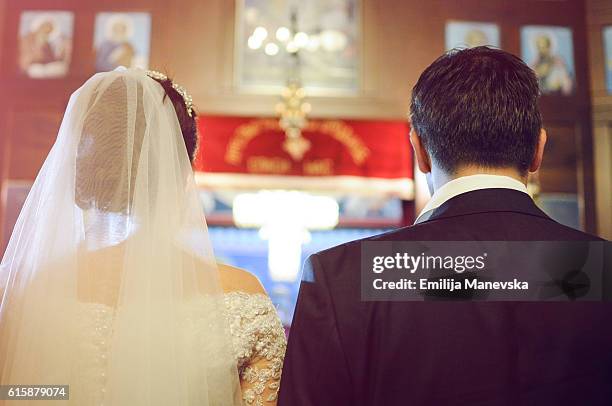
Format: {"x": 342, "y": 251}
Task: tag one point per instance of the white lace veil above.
{"x": 113, "y": 223}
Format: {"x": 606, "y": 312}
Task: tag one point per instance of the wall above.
{"x": 193, "y": 41}
{"x": 599, "y": 14}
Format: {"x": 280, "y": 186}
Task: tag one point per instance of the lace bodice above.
{"x": 258, "y": 346}
{"x": 258, "y": 338}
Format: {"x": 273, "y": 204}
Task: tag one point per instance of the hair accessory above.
{"x": 180, "y": 89}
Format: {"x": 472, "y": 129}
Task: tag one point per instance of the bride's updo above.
{"x": 113, "y": 130}
{"x": 188, "y": 123}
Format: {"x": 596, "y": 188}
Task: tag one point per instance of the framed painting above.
{"x": 549, "y": 51}
{"x": 122, "y": 39}
{"x": 45, "y": 43}
{"x": 465, "y": 34}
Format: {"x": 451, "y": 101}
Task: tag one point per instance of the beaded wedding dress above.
{"x": 109, "y": 283}
{"x": 256, "y": 331}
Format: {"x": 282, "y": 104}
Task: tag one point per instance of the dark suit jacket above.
{"x": 343, "y": 351}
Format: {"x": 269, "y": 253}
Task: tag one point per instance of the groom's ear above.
{"x": 421, "y": 155}
{"x": 539, "y": 152}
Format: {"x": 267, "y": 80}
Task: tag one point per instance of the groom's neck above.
{"x": 440, "y": 177}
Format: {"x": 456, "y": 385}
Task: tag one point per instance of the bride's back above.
{"x": 113, "y": 232}
{"x": 99, "y": 276}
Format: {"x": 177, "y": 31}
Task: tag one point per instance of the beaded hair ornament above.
{"x": 180, "y": 90}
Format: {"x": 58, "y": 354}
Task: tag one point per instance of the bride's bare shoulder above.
{"x": 236, "y": 279}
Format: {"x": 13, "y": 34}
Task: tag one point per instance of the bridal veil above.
{"x": 113, "y": 221}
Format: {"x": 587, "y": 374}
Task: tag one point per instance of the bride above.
{"x": 109, "y": 283}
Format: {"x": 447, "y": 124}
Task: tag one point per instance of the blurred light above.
{"x": 285, "y": 218}
{"x": 292, "y": 47}
{"x": 283, "y": 34}
{"x": 251, "y": 14}
{"x": 285, "y": 253}
{"x": 286, "y": 207}
{"x": 253, "y": 42}
{"x": 271, "y": 49}
{"x": 313, "y": 43}
{"x": 279, "y": 108}
{"x": 333, "y": 40}
{"x": 301, "y": 39}
{"x": 260, "y": 33}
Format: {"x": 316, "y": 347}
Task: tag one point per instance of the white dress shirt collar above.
{"x": 470, "y": 183}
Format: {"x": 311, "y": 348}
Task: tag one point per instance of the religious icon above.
{"x": 122, "y": 39}
{"x": 549, "y": 52}
{"x": 45, "y": 43}
{"x": 461, "y": 34}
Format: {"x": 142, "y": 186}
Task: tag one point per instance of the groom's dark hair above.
{"x": 479, "y": 107}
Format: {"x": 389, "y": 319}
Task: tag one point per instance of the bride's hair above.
{"x": 102, "y": 181}
{"x": 188, "y": 122}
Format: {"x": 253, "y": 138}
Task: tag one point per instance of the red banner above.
{"x": 331, "y": 153}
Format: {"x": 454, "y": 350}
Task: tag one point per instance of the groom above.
{"x": 476, "y": 133}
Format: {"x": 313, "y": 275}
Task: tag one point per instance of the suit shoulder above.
{"x": 447, "y": 230}
{"x": 566, "y": 232}
{"x": 352, "y": 248}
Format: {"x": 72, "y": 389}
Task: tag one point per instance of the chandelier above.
{"x": 293, "y": 110}
{"x": 282, "y": 41}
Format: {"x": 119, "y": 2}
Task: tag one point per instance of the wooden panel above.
{"x": 558, "y": 173}
{"x": 599, "y": 15}
{"x": 400, "y": 38}
{"x": 32, "y": 133}
{"x": 16, "y": 193}
{"x": 193, "y": 40}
